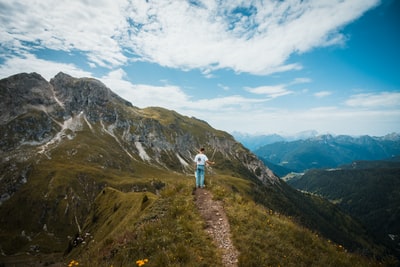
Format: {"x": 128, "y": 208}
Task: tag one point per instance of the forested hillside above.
{"x": 367, "y": 190}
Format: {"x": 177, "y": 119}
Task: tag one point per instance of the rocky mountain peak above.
{"x": 22, "y": 92}
{"x": 83, "y": 94}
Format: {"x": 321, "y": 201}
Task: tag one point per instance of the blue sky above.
{"x": 250, "y": 66}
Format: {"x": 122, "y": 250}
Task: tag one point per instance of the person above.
{"x": 200, "y": 160}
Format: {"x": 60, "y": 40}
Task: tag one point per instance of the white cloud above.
{"x": 322, "y": 94}
{"x": 254, "y": 36}
{"x": 226, "y": 104}
{"x": 372, "y": 100}
{"x": 301, "y": 80}
{"x": 270, "y": 91}
{"x": 142, "y": 95}
{"x": 223, "y": 87}
{"x": 173, "y": 97}
{"x": 89, "y": 26}
{"x": 274, "y": 91}
{"x": 30, "y": 63}
{"x": 217, "y": 35}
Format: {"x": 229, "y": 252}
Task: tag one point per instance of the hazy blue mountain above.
{"x": 255, "y": 141}
{"x": 327, "y": 151}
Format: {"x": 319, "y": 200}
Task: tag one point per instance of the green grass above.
{"x": 161, "y": 223}
{"x": 267, "y": 237}
{"x": 154, "y": 217}
{"x": 168, "y": 231}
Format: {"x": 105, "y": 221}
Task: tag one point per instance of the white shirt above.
{"x": 200, "y": 159}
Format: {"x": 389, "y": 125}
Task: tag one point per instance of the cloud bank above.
{"x": 246, "y": 36}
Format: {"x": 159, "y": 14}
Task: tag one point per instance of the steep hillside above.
{"x": 277, "y": 169}
{"x": 327, "y": 151}
{"x": 87, "y": 176}
{"x": 368, "y": 190}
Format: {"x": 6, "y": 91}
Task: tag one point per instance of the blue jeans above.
{"x": 200, "y": 175}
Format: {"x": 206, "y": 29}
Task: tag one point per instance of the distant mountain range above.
{"x": 361, "y": 175}
{"x": 326, "y": 151}
{"x": 255, "y": 141}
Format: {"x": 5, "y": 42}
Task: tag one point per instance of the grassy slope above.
{"x": 168, "y": 231}
{"x": 165, "y": 229}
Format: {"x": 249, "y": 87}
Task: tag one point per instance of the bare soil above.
{"x": 217, "y": 225}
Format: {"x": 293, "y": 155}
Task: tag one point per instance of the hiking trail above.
{"x": 217, "y": 225}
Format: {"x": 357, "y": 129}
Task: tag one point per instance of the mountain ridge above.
{"x": 255, "y": 141}
{"x": 328, "y": 151}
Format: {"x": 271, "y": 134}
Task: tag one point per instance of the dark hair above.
{"x": 202, "y": 149}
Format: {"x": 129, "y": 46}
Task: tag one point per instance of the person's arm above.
{"x": 210, "y": 162}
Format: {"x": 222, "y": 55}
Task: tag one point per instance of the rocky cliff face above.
{"x": 33, "y": 110}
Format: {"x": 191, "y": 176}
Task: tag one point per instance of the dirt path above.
{"x": 217, "y": 225}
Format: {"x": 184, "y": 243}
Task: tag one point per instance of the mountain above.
{"x": 88, "y": 177}
{"x": 278, "y": 170}
{"x": 327, "y": 151}
{"x": 367, "y": 190}
{"x": 255, "y": 141}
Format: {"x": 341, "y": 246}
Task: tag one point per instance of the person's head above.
{"x": 202, "y": 150}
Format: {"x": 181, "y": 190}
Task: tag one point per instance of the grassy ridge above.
{"x": 168, "y": 231}
{"x": 165, "y": 229}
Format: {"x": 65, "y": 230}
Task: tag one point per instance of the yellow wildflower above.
{"x": 141, "y": 262}
{"x": 73, "y": 263}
